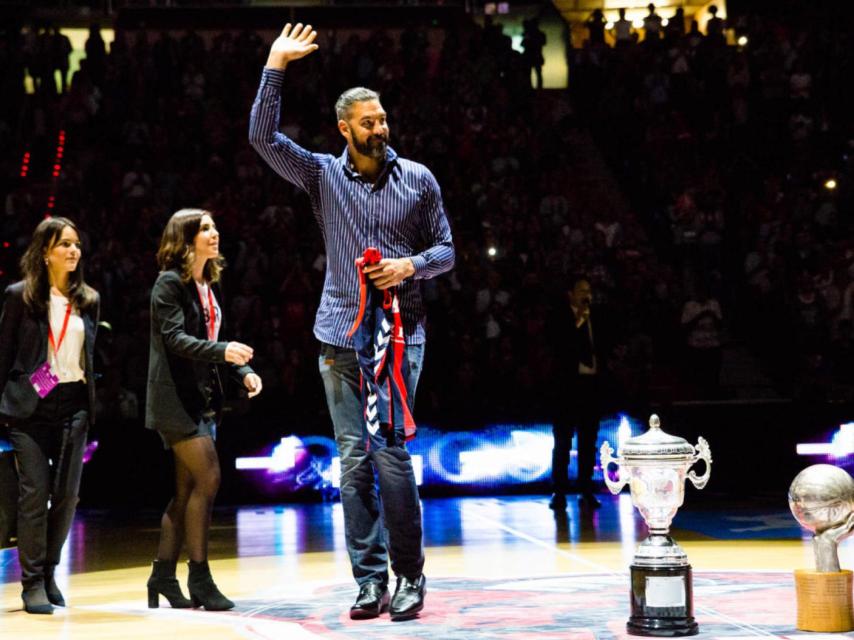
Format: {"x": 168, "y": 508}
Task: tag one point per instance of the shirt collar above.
{"x": 350, "y": 168}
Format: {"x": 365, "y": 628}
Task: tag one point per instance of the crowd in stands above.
{"x": 723, "y": 151}
{"x": 736, "y": 156}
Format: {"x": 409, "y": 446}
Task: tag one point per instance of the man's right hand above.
{"x": 292, "y": 44}
{"x": 582, "y": 316}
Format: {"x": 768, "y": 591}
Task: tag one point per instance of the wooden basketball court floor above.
{"x": 497, "y": 567}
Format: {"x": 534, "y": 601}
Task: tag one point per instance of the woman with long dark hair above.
{"x": 185, "y": 392}
{"x": 47, "y": 346}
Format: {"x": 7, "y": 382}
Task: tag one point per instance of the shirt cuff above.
{"x": 272, "y": 77}
{"x": 420, "y": 264}
{"x": 219, "y": 351}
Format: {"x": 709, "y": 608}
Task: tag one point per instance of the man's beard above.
{"x": 373, "y": 147}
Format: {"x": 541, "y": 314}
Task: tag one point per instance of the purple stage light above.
{"x": 89, "y": 451}
{"x": 841, "y": 444}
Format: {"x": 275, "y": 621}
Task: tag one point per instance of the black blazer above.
{"x": 181, "y": 358}
{"x": 23, "y": 349}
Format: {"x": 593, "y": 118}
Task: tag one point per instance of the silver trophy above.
{"x": 655, "y": 466}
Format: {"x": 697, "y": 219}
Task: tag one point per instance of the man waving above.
{"x": 368, "y": 197}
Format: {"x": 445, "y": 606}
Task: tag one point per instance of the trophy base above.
{"x": 662, "y": 603}
{"x": 824, "y": 601}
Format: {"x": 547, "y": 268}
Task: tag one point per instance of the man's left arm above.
{"x": 435, "y": 233}
{"x": 439, "y": 256}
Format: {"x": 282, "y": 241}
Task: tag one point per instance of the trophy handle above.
{"x": 606, "y": 458}
{"x": 704, "y": 454}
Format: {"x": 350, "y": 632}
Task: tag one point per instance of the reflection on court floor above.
{"x": 496, "y": 568}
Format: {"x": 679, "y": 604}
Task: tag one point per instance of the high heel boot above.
{"x": 35, "y": 599}
{"x": 163, "y": 582}
{"x": 203, "y": 590}
{"x": 54, "y": 595}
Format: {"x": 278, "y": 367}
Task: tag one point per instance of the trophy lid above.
{"x": 656, "y": 443}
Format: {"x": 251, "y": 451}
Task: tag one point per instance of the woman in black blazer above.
{"x": 47, "y": 347}
{"x": 185, "y": 391}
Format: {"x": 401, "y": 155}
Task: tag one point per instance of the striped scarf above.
{"x": 378, "y": 338}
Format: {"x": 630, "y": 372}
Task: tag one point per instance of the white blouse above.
{"x": 68, "y": 364}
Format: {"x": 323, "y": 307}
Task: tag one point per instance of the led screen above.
{"x": 490, "y": 459}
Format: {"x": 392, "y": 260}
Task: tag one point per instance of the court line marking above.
{"x": 242, "y": 623}
{"x": 744, "y": 626}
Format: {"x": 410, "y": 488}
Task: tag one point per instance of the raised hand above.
{"x": 292, "y": 44}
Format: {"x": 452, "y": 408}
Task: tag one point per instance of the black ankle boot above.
{"x": 164, "y": 582}
{"x": 203, "y": 591}
{"x": 35, "y": 599}
{"x": 53, "y": 592}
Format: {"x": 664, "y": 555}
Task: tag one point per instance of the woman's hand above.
{"x": 252, "y": 382}
{"x": 238, "y": 353}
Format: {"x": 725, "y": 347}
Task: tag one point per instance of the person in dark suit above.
{"x": 185, "y": 391}
{"x": 580, "y": 337}
{"x": 47, "y": 347}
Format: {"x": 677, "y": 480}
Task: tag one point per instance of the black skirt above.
{"x": 205, "y": 427}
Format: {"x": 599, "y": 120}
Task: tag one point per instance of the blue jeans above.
{"x": 370, "y": 517}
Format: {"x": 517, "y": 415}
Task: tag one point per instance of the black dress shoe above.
{"x": 371, "y": 602}
{"x": 558, "y": 502}
{"x": 589, "y": 501}
{"x": 408, "y": 598}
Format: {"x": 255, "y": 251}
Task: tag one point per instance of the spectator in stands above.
{"x": 715, "y": 28}
{"x": 623, "y": 35}
{"x": 596, "y": 27}
{"x": 60, "y": 50}
{"x": 652, "y": 25}
{"x": 675, "y": 29}
{"x": 533, "y": 41}
{"x": 702, "y": 321}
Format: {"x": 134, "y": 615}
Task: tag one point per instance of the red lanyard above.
{"x": 62, "y": 333}
{"x": 212, "y": 311}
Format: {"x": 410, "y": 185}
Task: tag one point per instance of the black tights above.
{"x": 188, "y": 515}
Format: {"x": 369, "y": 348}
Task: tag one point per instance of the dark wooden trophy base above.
{"x": 662, "y": 603}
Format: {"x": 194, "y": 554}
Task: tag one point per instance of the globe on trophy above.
{"x": 821, "y": 498}
{"x": 655, "y": 466}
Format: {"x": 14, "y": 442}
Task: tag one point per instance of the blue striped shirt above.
{"x": 401, "y": 214}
